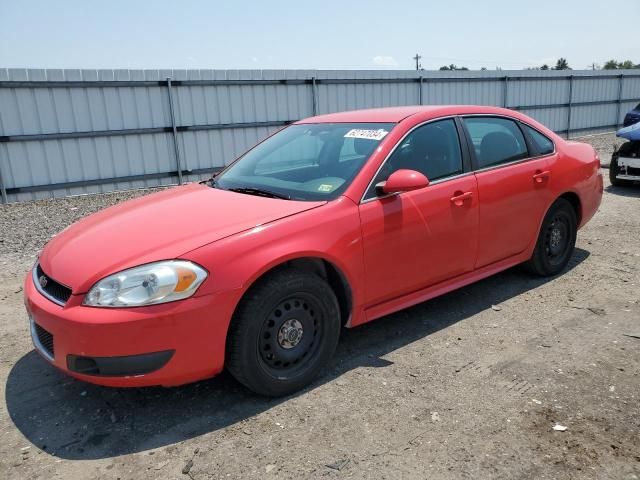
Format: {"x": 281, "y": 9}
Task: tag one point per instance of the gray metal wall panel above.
{"x": 587, "y": 90}
{"x": 593, "y": 116}
{"x": 538, "y": 92}
{"x": 52, "y": 110}
{"x": 630, "y": 88}
{"x": 466, "y": 93}
{"x": 553, "y": 118}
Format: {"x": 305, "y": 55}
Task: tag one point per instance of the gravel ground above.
{"x": 604, "y": 143}
{"x": 469, "y": 385}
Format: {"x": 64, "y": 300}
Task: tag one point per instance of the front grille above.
{"x": 53, "y": 289}
{"x": 45, "y": 339}
{"x": 633, "y": 171}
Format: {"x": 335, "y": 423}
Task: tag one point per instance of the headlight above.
{"x": 149, "y": 284}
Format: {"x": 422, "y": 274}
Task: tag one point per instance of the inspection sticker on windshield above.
{"x": 366, "y": 134}
{"x": 325, "y": 188}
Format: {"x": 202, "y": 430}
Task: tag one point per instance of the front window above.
{"x": 305, "y": 162}
{"x": 432, "y": 149}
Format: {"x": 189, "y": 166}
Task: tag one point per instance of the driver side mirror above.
{"x": 402, "y": 181}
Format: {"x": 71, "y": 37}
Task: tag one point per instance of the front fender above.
{"x": 331, "y": 232}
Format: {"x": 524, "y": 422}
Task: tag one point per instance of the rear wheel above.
{"x": 285, "y": 331}
{"x": 556, "y": 240}
{"x": 613, "y": 172}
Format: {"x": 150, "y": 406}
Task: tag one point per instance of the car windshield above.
{"x": 305, "y": 162}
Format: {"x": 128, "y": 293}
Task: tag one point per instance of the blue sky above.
{"x": 324, "y": 34}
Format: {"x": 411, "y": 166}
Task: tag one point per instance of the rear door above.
{"x": 513, "y": 178}
{"x": 415, "y": 239}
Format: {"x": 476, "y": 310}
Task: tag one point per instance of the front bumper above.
{"x": 628, "y": 168}
{"x": 168, "y": 344}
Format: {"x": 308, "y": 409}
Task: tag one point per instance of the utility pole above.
{"x": 417, "y": 59}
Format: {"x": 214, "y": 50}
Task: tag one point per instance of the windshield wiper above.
{"x": 211, "y": 181}
{"x": 259, "y": 192}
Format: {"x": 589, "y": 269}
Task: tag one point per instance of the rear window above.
{"x": 496, "y": 140}
{"x": 542, "y": 143}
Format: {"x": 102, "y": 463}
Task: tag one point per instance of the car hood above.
{"x": 160, "y": 226}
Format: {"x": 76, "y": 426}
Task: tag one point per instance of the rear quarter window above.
{"x": 542, "y": 143}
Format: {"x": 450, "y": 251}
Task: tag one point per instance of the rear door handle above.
{"x": 459, "y": 198}
{"x": 541, "y": 176}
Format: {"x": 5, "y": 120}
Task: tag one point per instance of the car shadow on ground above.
{"x": 632, "y": 190}
{"x": 75, "y": 420}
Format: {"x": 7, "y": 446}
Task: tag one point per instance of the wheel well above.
{"x": 326, "y": 270}
{"x": 574, "y": 200}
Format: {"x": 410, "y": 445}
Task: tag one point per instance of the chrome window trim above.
{"x": 514, "y": 162}
{"x": 36, "y": 283}
{"x": 448, "y": 117}
{"x": 462, "y": 116}
{"x": 36, "y": 341}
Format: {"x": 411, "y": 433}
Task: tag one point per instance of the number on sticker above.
{"x": 366, "y": 134}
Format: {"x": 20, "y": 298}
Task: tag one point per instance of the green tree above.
{"x": 627, "y": 64}
{"x": 452, "y": 67}
{"x": 611, "y": 65}
{"x": 544, "y": 67}
{"x": 562, "y": 64}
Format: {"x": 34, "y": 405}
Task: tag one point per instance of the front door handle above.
{"x": 541, "y": 176}
{"x": 459, "y": 198}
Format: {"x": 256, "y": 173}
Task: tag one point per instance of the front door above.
{"x": 416, "y": 239}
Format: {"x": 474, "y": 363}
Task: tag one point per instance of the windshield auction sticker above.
{"x": 366, "y": 134}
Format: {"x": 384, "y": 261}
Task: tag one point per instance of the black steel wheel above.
{"x": 285, "y": 330}
{"x": 556, "y": 240}
{"x": 290, "y": 335}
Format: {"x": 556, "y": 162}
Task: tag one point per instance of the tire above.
{"x": 283, "y": 333}
{"x": 556, "y": 240}
{"x": 613, "y": 171}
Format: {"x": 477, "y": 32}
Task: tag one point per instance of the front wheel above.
{"x": 284, "y": 332}
{"x": 556, "y": 240}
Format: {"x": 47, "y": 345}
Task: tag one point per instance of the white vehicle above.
{"x": 625, "y": 161}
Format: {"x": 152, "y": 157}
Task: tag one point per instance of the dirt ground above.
{"x": 469, "y": 385}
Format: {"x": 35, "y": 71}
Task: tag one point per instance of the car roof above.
{"x": 397, "y": 114}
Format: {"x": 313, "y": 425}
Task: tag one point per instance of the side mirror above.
{"x": 403, "y": 181}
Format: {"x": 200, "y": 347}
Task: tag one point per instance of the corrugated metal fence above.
{"x": 65, "y": 132}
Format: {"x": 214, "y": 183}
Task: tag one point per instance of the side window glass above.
{"x": 543, "y": 144}
{"x": 496, "y": 140}
{"x": 432, "y": 149}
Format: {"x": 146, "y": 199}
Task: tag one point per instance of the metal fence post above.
{"x": 505, "y": 92}
{"x": 175, "y": 132}
{"x": 420, "y": 97}
{"x": 569, "y": 105}
{"x": 3, "y": 190}
{"x": 619, "y": 107}
{"x": 314, "y": 94}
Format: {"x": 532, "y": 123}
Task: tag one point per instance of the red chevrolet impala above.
{"x": 333, "y": 221}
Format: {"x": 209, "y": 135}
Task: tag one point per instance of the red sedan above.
{"x": 333, "y": 221}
